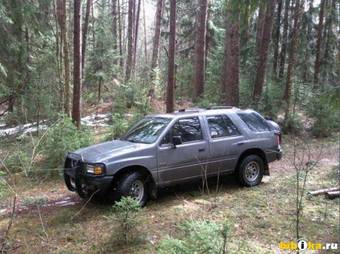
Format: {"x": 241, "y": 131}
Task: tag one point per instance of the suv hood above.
{"x": 103, "y": 151}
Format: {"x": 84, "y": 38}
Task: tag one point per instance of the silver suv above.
{"x": 168, "y": 149}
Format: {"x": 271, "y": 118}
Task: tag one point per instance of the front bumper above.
{"x": 76, "y": 179}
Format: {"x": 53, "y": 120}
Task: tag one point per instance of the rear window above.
{"x": 254, "y": 121}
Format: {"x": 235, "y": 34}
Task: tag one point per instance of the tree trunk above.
{"x": 120, "y": 28}
{"x": 263, "y": 50}
{"x": 317, "y": 64}
{"x": 77, "y": 70}
{"x": 259, "y": 26}
{"x": 170, "y": 95}
{"x": 84, "y": 34}
{"x": 200, "y": 47}
{"x": 329, "y": 26}
{"x": 145, "y": 35}
{"x": 276, "y": 39}
{"x": 61, "y": 12}
{"x": 298, "y": 10}
{"x": 158, "y": 19}
{"x": 114, "y": 26}
{"x": 231, "y": 65}
{"x": 136, "y": 33}
{"x": 131, "y": 22}
{"x": 245, "y": 16}
{"x": 284, "y": 39}
{"x": 308, "y": 31}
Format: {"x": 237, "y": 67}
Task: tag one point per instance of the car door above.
{"x": 186, "y": 160}
{"x": 225, "y": 141}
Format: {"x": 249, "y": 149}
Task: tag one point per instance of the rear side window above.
{"x": 255, "y": 122}
{"x": 221, "y": 126}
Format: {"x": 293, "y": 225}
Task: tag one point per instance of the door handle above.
{"x": 240, "y": 143}
{"x": 201, "y": 150}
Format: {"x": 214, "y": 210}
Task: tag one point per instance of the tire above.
{"x": 250, "y": 171}
{"x": 70, "y": 182}
{"x": 132, "y": 184}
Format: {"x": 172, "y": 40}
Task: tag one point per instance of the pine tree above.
{"x": 77, "y": 70}
{"x": 170, "y": 95}
{"x": 200, "y": 48}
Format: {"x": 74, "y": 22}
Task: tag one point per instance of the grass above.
{"x": 260, "y": 217}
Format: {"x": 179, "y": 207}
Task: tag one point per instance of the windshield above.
{"x": 146, "y": 130}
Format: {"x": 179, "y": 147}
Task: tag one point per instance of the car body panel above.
{"x": 169, "y": 164}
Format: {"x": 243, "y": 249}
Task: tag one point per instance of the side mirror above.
{"x": 176, "y": 140}
{"x": 213, "y": 134}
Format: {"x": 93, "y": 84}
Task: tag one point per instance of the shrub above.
{"x": 198, "y": 237}
{"x": 126, "y": 211}
{"x": 64, "y": 137}
{"x": 35, "y": 201}
{"x": 3, "y": 185}
{"x": 292, "y": 124}
{"x": 18, "y": 161}
{"x": 120, "y": 124}
{"x": 326, "y": 117}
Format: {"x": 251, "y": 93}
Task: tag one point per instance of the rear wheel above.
{"x": 251, "y": 171}
{"x": 132, "y": 185}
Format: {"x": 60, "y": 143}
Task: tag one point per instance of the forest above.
{"x": 80, "y": 72}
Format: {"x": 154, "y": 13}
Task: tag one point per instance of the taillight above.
{"x": 278, "y": 138}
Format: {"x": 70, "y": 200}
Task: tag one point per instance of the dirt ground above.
{"x": 50, "y": 219}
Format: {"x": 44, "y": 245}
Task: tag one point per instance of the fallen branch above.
{"x": 333, "y": 194}
{"x": 5, "y": 238}
{"x": 322, "y": 191}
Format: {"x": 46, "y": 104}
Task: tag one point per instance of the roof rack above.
{"x": 189, "y": 110}
{"x": 220, "y": 107}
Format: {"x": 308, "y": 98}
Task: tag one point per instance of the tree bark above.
{"x": 317, "y": 64}
{"x": 259, "y": 26}
{"x": 136, "y": 33}
{"x": 114, "y": 26}
{"x": 231, "y": 65}
{"x": 61, "y": 12}
{"x": 200, "y": 48}
{"x": 298, "y": 9}
{"x": 77, "y": 68}
{"x": 170, "y": 95}
{"x": 120, "y": 28}
{"x": 262, "y": 53}
{"x": 84, "y": 34}
{"x": 323, "y": 191}
{"x": 284, "y": 44}
{"x": 276, "y": 36}
{"x": 308, "y": 31}
{"x": 329, "y": 26}
{"x": 156, "y": 37}
{"x": 145, "y": 35}
{"x": 130, "y": 35}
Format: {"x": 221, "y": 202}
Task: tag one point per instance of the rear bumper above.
{"x": 273, "y": 155}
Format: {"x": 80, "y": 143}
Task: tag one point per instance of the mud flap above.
{"x": 266, "y": 170}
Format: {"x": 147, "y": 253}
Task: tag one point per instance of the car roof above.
{"x": 200, "y": 111}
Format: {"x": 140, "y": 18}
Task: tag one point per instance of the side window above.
{"x": 233, "y": 131}
{"x": 188, "y": 128}
{"x": 254, "y": 122}
{"x": 221, "y": 126}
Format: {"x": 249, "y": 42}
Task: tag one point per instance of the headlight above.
{"x": 95, "y": 169}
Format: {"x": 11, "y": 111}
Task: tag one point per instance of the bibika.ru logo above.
{"x": 302, "y": 244}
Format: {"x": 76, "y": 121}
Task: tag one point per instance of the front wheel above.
{"x": 251, "y": 170}
{"x": 132, "y": 185}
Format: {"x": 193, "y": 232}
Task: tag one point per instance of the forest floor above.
{"x": 50, "y": 219}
